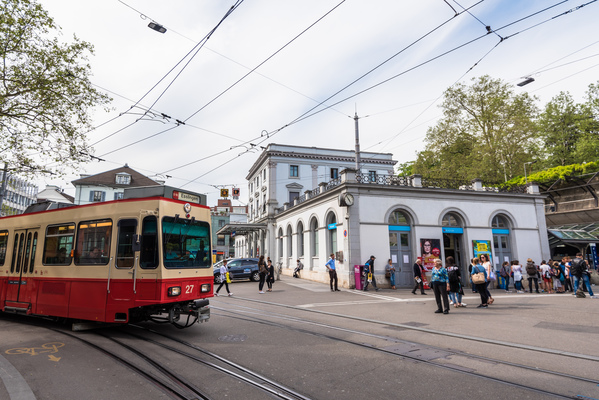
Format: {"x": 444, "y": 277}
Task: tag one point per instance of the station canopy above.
{"x": 240, "y": 229}
{"x": 574, "y": 233}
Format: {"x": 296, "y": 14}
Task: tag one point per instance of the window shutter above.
{"x": 103, "y": 196}
{"x": 91, "y": 196}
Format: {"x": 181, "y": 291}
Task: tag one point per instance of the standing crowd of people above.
{"x": 569, "y": 275}
{"x": 549, "y": 277}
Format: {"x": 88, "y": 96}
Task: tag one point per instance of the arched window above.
{"x": 300, "y": 239}
{"x": 280, "y": 244}
{"x": 314, "y": 237}
{"x": 499, "y": 221}
{"x": 289, "y": 242}
{"x": 398, "y": 217}
{"x": 450, "y": 219}
{"x": 331, "y": 233}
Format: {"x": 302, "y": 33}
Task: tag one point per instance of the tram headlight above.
{"x": 205, "y": 288}
{"x": 174, "y": 291}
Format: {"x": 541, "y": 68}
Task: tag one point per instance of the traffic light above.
{"x": 224, "y": 193}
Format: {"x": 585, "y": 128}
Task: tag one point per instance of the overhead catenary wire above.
{"x": 309, "y": 113}
{"x": 237, "y": 82}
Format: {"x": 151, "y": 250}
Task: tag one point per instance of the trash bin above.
{"x": 358, "y": 276}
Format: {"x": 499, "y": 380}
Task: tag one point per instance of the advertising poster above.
{"x": 430, "y": 250}
{"x": 482, "y": 247}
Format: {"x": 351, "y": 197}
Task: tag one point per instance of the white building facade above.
{"x": 384, "y": 215}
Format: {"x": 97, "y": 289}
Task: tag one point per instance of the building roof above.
{"x": 108, "y": 178}
{"x": 311, "y": 154}
{"x": 54, "y": 194}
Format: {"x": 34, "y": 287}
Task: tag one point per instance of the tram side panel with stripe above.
{"x": 146, "y": 257}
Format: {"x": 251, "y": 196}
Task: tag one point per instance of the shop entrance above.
{"x": 401, "y": 256}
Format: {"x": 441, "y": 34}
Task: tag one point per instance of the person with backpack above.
{"x": 546, "y": 276}
{"x": 504, "y": 272}
{"x": 517, "y": 274}
{"x": 532, "y": 271}
{"x": 369, "y": 274}
{"x": 579, "y": 270}
{"x": 455, "y": 282}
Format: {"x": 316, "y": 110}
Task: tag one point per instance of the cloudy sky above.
{"x": 295, "y": 72}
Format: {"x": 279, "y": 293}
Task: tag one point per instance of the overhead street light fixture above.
{"x": 526, "y": 81}
{"x": 157, "y": 27}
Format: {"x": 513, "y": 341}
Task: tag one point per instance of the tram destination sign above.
{"x": 192, "y": 198}
{"x": 168, "y": 192}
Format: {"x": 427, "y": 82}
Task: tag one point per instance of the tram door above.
{"x": 124, "y": 269}
{"x": 19, "y": 289}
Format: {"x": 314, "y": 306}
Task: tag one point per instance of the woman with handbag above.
{"x": 486, "y": 263}
{"x": 479, "y": 279}
{"x": 262, "y": 271}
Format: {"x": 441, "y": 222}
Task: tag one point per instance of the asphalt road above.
{"x": 322, "y": 345}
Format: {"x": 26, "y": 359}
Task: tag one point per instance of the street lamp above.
{"x": 526, "y": 81}
{"x": 529, "y": 163}
{"x": 157, "y": 27}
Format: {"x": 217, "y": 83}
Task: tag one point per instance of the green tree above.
{"x": 562, "y": 127}
{"x": 487, "y": 131}
{"x": 45, "y": 92}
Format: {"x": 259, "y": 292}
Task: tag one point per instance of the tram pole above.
{"x": 3, "y": 188}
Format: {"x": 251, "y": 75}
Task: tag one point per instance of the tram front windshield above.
{"x": 185, "y": 243}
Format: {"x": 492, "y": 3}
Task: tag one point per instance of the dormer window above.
{"x": 123, "y": 179}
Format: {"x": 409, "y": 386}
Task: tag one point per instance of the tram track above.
{"x": 263, "y": 317}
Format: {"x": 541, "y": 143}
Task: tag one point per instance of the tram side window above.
{"x": 124, "y": 252}
{"x": 58, "y": 244}
{"x": 93, "y": 242}
{"x": 3, "y": 246}
{"x": 149, "y": 243}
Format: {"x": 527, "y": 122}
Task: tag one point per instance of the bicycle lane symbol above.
{"x": 51, "y": 348}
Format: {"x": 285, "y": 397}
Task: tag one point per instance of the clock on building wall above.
{"x": 346, "y": 199}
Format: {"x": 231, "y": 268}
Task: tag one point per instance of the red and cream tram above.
{"x": 145, "y": 257}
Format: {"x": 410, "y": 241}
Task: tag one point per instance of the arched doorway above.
{"x": 453, "y": 232}
{"x": 501, "y": 240}
{"x": 400, "y": 247}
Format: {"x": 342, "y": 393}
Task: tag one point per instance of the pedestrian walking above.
{"x": 270, "y": 275}
{"x": 330, "y": 265}
{"x": 262, "y": 270}
{"x": 390, "y": 273}
{"x": 224, "y": 271}
{"x": 369, "y": 274}
{"x": 418, "y": 276}
{"x": 440, "y": 283}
